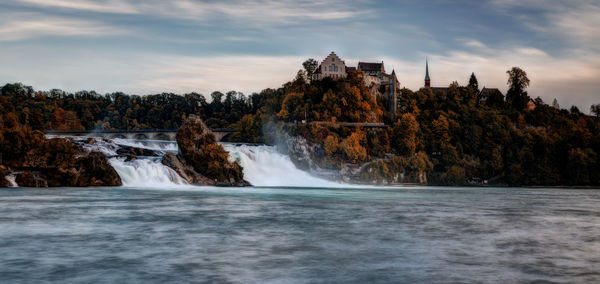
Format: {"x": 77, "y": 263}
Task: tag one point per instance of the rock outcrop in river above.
{"x": 131, "y": 153}
{"x": 201, "y": 160}
{"x": 311, "y": 157}
{"x": 3, "y": 180}
{"x": 60, "y": 162}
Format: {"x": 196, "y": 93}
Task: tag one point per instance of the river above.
{"x": 294, "y": 228}
{"x": 299, "y": 235}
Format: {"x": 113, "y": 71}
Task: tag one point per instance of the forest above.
{"x": 454, "y": 137}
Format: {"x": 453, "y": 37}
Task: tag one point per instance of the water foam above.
{"x": 264, "y": 166}
{"x": 145, "y": 173}
{"x": 155, "y": 145}
{"x": 11, "y": 180}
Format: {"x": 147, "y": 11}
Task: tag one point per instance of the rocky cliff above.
{"x": 389, "y": 170}
{"x": 3, "y": 180}
{"x": 60, "y": 162}
{"x": 200, "y": 159}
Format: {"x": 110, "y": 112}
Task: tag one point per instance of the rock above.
{"x": 60, "y": 162}
{"x": 134, "y": 152}
{"x": 29, "y": 179}
{"x": 25, "y": 179}
{"x": 94, "y": 170}
{"x": 3, "y": 180}
{"x": 199, "y": 150}
{"x": 52, "y": 153}
{"x": 186, "y": 172}
{"x": 299, "y": 152}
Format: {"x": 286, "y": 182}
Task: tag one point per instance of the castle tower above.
{"x": 393, "y": 97}
{"x": 427, "y": 80}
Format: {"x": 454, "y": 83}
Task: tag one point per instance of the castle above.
{"x": 381, "y": 83}
{"x": 376, "y": 79}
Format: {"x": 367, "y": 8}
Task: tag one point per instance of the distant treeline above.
{"x": 453, "y": 136}
{"x": 86, "y": 110}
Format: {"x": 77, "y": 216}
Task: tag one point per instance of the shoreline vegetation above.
{"x": 434, "y": 138}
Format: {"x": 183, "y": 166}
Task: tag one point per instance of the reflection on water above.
{"x": 117, "y": 235}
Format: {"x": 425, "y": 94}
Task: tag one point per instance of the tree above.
{"x": 455, "y": 175}
{"x": 405, "y": 134}
{"x": 59, "y": 119}
{"x": 517, "y": 82}
{"x": 555, "y": 104}
{"x": 292, "y": 107}
{"x": 353, "y": 148}
{"x": 473, "y": 82}
{"x": 217, "y": 96}
{"x": 331, "y": 145}
{"x": 578, "y": 165}
{"x": 310, "y": 66}
{"x": 595, "y": 110}
{"x": 441, "y": 131}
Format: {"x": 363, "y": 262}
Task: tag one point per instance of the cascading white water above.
{"x": 11, "y": 180}
{"x": 145, "y": 173}
{"x": 142, "y": 172}
{"x": 155, "y": 145}
{"x": 264, "y": 166}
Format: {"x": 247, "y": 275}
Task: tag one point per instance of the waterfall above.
{"x": 145, "y": 173}
{"x": 264, "y": 166}
{"x": 11, "y": 180}
{"x": 155, "y": 145}
{"x": 141, "y": 172}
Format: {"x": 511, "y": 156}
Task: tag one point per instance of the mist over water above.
{"x": 299, "y": 235}
{"x": 264, "y": 166}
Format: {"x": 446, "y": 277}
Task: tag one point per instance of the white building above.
{"x": 332, "y": 66}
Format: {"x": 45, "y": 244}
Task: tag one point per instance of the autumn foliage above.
{"x": 197, "y": 145}
{"x": 452, "y": 137}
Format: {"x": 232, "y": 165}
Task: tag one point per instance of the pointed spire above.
{"x": 427, "y": 69}
{"x": 427, "y": 80}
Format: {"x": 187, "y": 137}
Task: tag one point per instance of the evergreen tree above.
{"x": 473, "y": 82}
{"x": 555, "y": 104}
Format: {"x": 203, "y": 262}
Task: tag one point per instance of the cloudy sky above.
{"x": 153, "y": 46}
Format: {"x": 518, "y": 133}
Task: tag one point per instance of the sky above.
{"x": 154, "y": 46}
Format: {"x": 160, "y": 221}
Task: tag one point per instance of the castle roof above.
{"x": 443, "y": 90}
{"x": 368, "y": 66}
{"x": 486, "y": 92}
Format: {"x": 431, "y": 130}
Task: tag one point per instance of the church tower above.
{"x": 427, "y": 80}
{"x": 393, "y": 99}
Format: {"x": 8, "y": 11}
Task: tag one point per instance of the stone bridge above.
{"x": 140, "y": 134}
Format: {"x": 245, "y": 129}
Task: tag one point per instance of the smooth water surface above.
{"x": 299, "y": 235}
